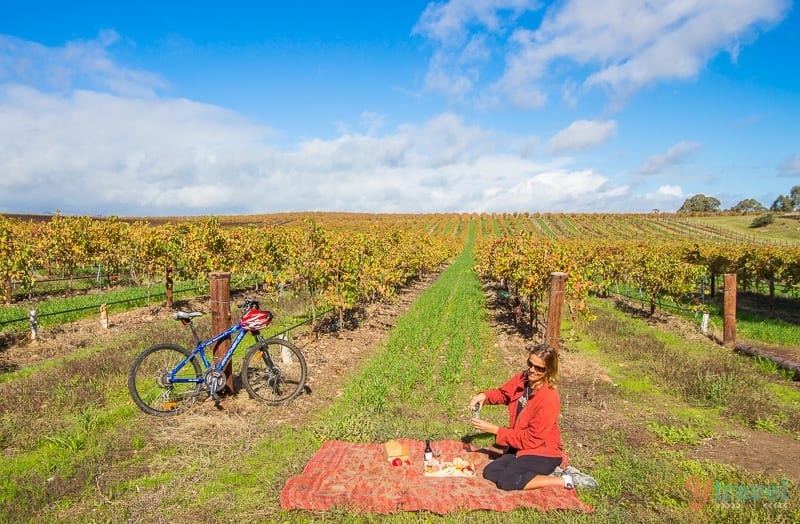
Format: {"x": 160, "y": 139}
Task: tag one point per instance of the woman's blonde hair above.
{"x": 549, "y": 354}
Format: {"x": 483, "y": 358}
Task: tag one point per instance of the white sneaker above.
{"x": 568, "y": 482}
{"x": 576, "y": 477}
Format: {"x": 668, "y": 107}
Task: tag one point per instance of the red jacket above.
{"x": 535, "y": 431}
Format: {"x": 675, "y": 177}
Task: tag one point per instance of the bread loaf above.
{"x": 394, "y": 449}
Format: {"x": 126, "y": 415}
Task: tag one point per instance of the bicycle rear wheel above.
{"x": 274, "y": 371}
{"x": 150, "y": 386}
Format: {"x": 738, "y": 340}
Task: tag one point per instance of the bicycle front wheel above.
{"x": 150, "y": 385}
{"x": 274, "y": 371}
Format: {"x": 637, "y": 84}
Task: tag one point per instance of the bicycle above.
{"x": 166, "y": 379}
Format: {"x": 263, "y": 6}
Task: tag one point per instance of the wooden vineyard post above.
{"x": 557, "y": 284}
{"x": 168, "y": 286}
{"x": 729, "y": 311}
{"x": 9, "y": 290}
{"x": 221, "y": 320}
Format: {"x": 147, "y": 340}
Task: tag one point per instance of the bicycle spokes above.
{"x": 159, "y": 384}
{"x": 274, "y": 371}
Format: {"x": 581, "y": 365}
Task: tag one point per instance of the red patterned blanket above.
{"x": 359, "y": 478}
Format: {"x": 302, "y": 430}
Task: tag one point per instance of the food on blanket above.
{"x": 460, "y": 463}
{"x": 394, "y": 449}
{"x": 459, "y": 467}
{"x": 397, "y": 461}
{"x": 432, "y": 465}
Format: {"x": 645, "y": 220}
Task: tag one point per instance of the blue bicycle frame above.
{"x": 200, "y": 349}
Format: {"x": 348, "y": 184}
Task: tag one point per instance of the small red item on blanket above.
{"x": 357, "y": 477}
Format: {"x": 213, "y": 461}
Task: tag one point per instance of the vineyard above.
{"x": 339, "y": 261}
{"x": 335, "y": 267}
{"x": 445, "y": 305}
{"x": 344, "y": 259}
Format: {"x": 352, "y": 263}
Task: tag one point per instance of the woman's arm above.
{"x": 504, "y": 393}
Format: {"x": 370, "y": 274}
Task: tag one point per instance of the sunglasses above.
{"x": 538, "y": 369}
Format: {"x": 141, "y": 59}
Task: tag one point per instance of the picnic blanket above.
{"x": 359, "y": 478}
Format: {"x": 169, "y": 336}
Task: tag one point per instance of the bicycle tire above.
{"x": 149, "y": 388}
{"x": 280, "y": 381}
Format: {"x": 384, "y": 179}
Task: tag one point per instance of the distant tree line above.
{"x": 707, "y": 204}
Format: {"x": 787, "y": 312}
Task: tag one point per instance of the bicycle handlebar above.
{"x": 249, "y": 304}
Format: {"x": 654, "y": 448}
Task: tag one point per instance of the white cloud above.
{"x": 459, "y": 29}
{"x": 95, "y": 153}
{"x": 665, "y": 198}
{"x": 628, "y": 45}
{"x": 677, "y": 154}
{"x": 116, "y": 146}
{"x": 446, "y": 76}
{"x": 582, "y": 134}
{"x": 450, "y": 22}
{"x": 78, "y": 64}
{"x": 558, "y": 190}
{"x": 621, "y": 45}
{"x": 669, "y": 191}
{"x": 672, "y": 39}
{"x": 91, "y": 149}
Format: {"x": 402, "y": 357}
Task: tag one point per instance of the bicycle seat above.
{"x": 186, "y": 315}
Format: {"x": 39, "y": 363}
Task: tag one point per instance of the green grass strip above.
{"x": 436, "y": 357}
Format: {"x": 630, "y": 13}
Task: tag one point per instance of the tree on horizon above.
{"x": 749, "y": 205}
{"x": 700, "y": 203}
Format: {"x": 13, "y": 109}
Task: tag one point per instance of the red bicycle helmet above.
{"x": 256, "y": 319}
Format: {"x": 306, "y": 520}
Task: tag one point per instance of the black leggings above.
{"x": 511, "y": 472}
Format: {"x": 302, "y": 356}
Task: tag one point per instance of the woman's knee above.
{"x": 494, "y": 470}
{"x": 509, "y": 484}
{"x": 492, "y": 473}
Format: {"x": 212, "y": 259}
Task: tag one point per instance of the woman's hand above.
{"x": 484, "y": 426}
{"x": 479, "y": 399}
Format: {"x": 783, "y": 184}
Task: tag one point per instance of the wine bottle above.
{"x": 428, "y": 451}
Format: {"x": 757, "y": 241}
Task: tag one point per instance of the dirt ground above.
{"x": 332, "y": 356}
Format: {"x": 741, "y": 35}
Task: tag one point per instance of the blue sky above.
{"x": 194, "y": 108}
